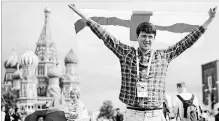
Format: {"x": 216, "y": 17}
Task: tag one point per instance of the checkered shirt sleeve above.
{"x": 118, "y": 48}
{"x": 185, "y": 43}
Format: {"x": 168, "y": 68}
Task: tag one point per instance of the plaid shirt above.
{"x": 158, "y": 69}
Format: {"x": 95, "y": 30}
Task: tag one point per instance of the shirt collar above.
{"x": 140, "y": 53}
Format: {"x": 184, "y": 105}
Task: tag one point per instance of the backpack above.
{"x": 190, "y": 110}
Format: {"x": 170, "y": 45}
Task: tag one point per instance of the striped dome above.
{"x": 12, "y": 61}
{"x": 29, "y": 58}
{"x": 71, "y": 57}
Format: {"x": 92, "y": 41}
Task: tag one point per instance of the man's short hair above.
{"x": 181, "y": 84}
{"x": 146, "y": 27}
{"x": 117, "y": 109}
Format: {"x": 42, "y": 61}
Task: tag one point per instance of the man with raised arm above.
{"x": 144, "y": 69}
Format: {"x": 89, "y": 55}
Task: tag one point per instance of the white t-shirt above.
{"x": 186, "y": 96}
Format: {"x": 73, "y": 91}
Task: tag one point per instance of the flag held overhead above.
{"x": 136, "y": 17}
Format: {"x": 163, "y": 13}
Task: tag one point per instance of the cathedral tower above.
{"x": 71, "y": 78}
{"x": 46, "y": 52}
{"x": 11, "y": 65}
{"x": 28, "y": 85}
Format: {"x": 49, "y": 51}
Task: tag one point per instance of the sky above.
{"x": 98, "y": 68}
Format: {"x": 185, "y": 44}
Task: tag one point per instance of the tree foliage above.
{"x": 106, "y": 110}
{"x": 10, "y": 97}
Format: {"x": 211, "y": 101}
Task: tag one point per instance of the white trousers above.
{"x": 135, "y": 115}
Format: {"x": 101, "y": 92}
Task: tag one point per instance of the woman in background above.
{"x": 76, "y": 106}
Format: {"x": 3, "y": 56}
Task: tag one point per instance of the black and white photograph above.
{"x": 110, "y": 60}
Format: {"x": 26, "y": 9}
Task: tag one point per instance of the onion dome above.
{"x": 71, "y": 57}
{"x": 29, "y": 58}
{"x": 54, "y": 71}
{"x": 12, "y": 61}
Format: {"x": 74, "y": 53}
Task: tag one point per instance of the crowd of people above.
{"x": 75, "y": 109}
{"x": 11, "y": 114}
{"x": 172, "y": 109}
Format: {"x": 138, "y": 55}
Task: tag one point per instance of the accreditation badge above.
{"x": 142, "y": 89}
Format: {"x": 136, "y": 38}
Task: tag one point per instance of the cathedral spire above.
{"x": 45, "y": 35}
{"x": 45, "y": 50}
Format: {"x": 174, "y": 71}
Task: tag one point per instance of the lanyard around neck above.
{"x": 149, "y": 64}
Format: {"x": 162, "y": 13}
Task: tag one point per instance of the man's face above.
{"x": 145, "y": 40}
{"x": 179, "y": 89}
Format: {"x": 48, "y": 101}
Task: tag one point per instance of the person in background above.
{"x": 8, "y": 114}
{"x": 3, "y": 112}
{"x": 23, "y": 113}
{"x": 76, "y": 107}
{"x": 119, "y": 115}
{"x": 178, "y": 105}
{"x": 16, "y": 115}
{"x": 40, "y": 118}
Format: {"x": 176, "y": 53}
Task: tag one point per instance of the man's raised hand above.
{"x": 212, "y": 12}
{"x": 72, "y": 6}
